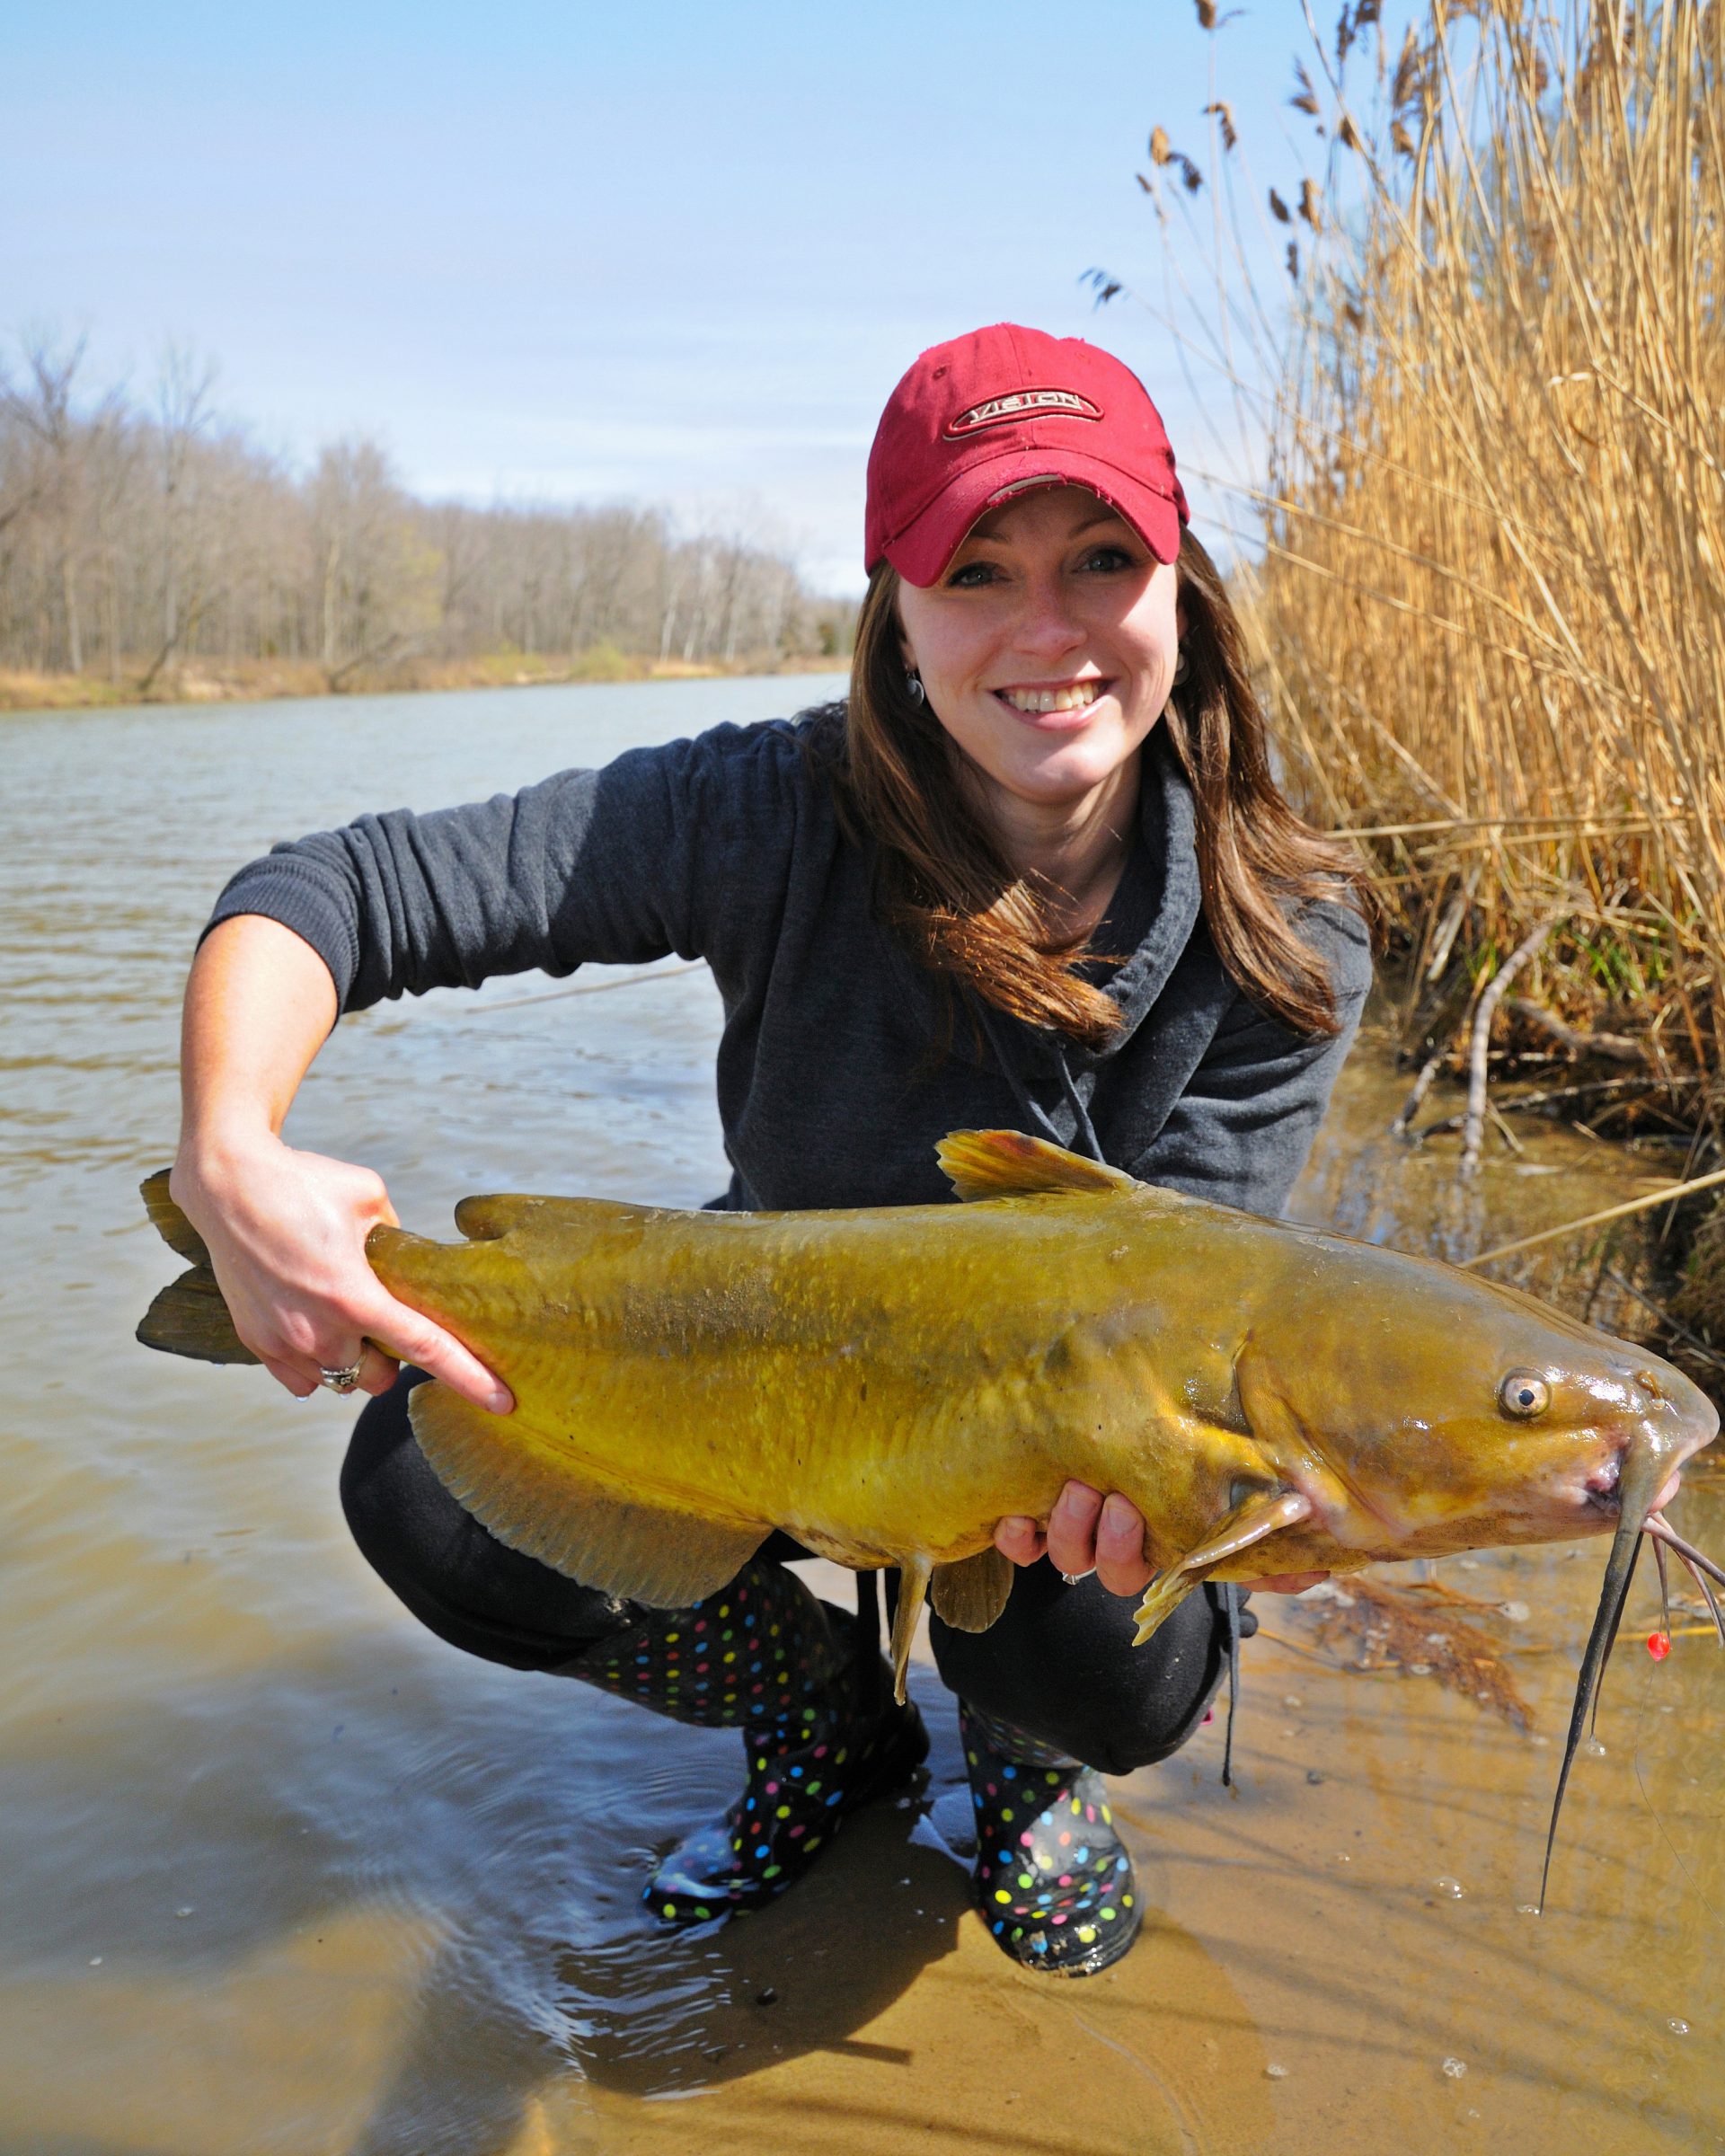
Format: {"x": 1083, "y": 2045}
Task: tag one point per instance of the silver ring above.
{"x": 1073, "y": 1578}
{"x": 341, "y": 1381}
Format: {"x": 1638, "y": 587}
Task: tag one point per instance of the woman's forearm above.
{"x": 286, "y": 1230}
{"x": 260, "y": 1004}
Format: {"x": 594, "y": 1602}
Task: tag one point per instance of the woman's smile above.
{"x": 1054, "y": 707}
{"x": 1047, "y": 651}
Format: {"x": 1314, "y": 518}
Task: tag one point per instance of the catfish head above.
{"x": 1412, "y": 1409}
{"x": 1419, "y": 1410}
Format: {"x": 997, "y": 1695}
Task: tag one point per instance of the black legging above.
{"x": 1058, "y": 1661}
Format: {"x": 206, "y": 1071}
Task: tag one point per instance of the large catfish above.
{"x": 887, "y": 1384}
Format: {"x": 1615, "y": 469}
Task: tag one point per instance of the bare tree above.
{"x": 148, "y": 536}
{"x": 182, "y": 416}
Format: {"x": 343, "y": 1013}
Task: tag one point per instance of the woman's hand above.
{"x": 287, "y": 1235}
{"x": 1087, "y": 1533}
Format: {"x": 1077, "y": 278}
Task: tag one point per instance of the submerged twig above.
{"x": 1421, "y": 1086}
{"x": 1615, "y": 1048}
{"x": 1396, "y": 1627}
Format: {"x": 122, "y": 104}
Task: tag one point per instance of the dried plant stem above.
{"x": 1489, "y": 570}
{"x": 1473, "y": 1124}
{"x": 1596, "y": 1220}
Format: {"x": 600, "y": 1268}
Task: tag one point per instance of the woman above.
{"x": 1035, "y": 873}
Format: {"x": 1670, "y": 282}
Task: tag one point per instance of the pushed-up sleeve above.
{"x": 682, "y": 848}
{"x": 1240, "y": 1132}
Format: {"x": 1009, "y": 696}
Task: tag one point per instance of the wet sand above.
{"x": 283, "y": 1873}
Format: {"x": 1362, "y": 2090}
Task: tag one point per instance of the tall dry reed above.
{"x": 1490, "y": 591}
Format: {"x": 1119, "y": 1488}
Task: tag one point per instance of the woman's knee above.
{"x": 451, "y": 1572}
{"x": 1059, "y": 1662}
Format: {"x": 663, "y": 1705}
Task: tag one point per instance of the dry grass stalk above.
{"x": 1492, "y": 595}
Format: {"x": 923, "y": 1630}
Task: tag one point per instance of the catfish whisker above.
{"x": 1661, "y": 1528}
{"x": 1706, "y": 1587}
{"x": 1613, "y": 1593}
{"x": 1664, "y": 1587}
{"x": 1611, "y": 1641}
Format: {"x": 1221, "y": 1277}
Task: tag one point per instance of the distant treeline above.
{"x": 141, "y": 536}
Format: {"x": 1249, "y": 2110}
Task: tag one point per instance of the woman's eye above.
{"x": 970, "y": 576}
{"x": 1108, "y": 559}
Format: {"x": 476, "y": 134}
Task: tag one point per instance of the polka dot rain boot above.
{"x": 823, "y": 1735}
{"x": 1053, "y": 1880}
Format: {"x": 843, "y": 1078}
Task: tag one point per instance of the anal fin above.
{"x": 1260, "y": 1516}
{"x": 969, "y": 1594}
{"x": 536, "y": 1499}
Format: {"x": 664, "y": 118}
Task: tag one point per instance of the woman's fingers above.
{"x": 413, "y": 1338}
{"x": 290, "y": 1374}
{"x": 1071, "y": 1528}
{"x": 1020, "y": 1537}
{"x": 1120, "y": 1563}
{"x": 286, "y": 1233}
{"x": 378, "y": 1370}
{"x": 1088, "y": 1532}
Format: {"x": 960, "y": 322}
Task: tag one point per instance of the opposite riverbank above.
{"x": 253, "y": 680}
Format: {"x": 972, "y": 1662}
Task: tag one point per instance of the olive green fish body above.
{"x": 887, "y": 1384}
{"x": 879, "y": 1384}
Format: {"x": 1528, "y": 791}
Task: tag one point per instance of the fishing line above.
{"x": 1652, "y": 1809}
{"x": 556, "y": 995}
{"x": 483, "y": 1005}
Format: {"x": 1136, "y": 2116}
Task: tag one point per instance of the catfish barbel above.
{"x": 888, "y": 1383}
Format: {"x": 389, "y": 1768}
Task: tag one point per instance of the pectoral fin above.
{"x": 1260, "y": 1516}
{"x": 522, "y": 1486}
{"x": 969, "y": 1594}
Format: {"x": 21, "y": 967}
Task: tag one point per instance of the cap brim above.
{"x": 924, "y": 547}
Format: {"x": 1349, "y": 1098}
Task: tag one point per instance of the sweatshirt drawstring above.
{"x": 1084, "y": 1138}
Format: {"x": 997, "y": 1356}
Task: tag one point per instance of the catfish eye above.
{"x": 1524, "y": 1393}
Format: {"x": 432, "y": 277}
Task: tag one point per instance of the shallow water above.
{"x": 283, "y": 1873}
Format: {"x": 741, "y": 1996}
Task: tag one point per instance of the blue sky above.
{"x": 659, "y": 250}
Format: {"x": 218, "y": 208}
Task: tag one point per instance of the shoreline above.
{"x": 268, "y": 681}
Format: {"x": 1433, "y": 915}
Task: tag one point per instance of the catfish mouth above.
{"x": 1603, "y": 1491}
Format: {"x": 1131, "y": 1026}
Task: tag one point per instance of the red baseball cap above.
{"x": 997, "y": 414}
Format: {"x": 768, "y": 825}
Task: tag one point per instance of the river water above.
{"x": 280, "y": 1872}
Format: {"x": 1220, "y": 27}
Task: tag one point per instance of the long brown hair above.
{"x": 944, "y": 884}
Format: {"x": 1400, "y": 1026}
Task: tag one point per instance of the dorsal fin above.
{"x": 1006, "y": 1163}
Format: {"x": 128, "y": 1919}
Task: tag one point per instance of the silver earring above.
{"x": 1182, "y": 668}
{"x": 914, "y": 685}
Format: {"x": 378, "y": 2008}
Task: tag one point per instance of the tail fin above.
{"x": 188, "y": 1318}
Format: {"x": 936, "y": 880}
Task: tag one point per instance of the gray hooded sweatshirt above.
{"x": 728, "y": 848}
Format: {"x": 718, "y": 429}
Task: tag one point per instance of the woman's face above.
{"x": 1047, "y": 647}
